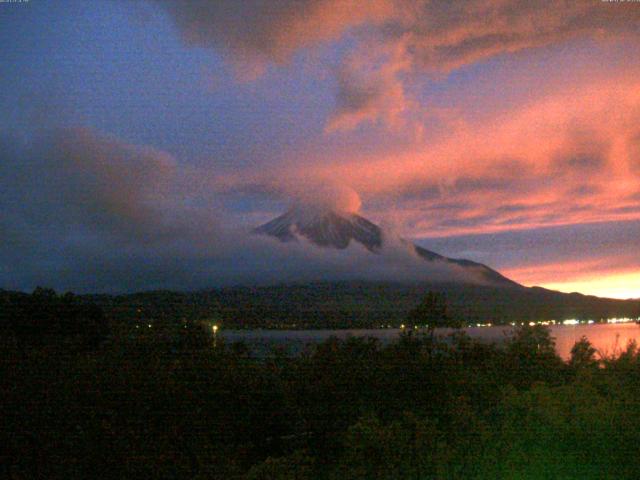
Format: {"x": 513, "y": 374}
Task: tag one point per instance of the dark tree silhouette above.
{"x": 45, "y": 317}
{"x": 531, "y": 356}
{"x": 583, "y": 354}
{"x": 433, "y": 311}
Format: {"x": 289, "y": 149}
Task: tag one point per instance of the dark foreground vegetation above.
{"x": 172, "y": 401}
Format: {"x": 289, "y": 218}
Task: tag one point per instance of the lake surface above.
{"x": 606, "y": 338}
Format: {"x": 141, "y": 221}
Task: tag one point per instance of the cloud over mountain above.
{"x": 89, "y": 212}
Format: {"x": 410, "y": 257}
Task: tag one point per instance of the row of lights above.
{"x": 574, "y": 321}
{"x": 569, "y": 321}
{"x": 214, "y": 328}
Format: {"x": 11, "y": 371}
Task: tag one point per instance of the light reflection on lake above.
{"x": 606, "y": 338}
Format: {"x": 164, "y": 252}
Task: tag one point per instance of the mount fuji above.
{"x": 332, "y": 228}
{"x": 475, "y": 293}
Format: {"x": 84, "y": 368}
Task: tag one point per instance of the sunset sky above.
{"x": 135, "y": 135}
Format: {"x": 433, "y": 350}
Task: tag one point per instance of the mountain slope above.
{"x": 332, "y": 229}
{"x": 358, "y": 305}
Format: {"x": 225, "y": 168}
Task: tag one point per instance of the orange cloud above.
{"x": 570, "y": 157}
{"x": 429, "y": 36}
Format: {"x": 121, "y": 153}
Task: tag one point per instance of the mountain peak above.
{"x": 331, "y": 228}
{"x": 323, "y": 226}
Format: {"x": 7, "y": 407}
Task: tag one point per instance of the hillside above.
{"x": 357, "y": 305}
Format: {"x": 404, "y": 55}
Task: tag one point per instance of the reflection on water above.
{"x": 606, "y": 338}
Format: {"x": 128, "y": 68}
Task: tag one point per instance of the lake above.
{"x": 606, "y": 338}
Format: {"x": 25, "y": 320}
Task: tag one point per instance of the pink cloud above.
{"x": 427, "y": 36}
{"x": 568, "y": 157}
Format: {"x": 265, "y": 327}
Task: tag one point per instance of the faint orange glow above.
{"x": 615, "y": 285}
{"x": 604, "y": 277}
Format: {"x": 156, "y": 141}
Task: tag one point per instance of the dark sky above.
{"x": 139, "y": 141}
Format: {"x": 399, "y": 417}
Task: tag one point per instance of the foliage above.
{"x": 296, "y": 466}
{"x": 433, "y": 311}
{"x": 531, "y": 357}
{"x": 148, "y": 406}
{"x": 583, "y": 355}
{"x": 45, "y": 317}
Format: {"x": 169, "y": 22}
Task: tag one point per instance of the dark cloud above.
{"x": 76, "y": 177}
{"x": 514, "y": 207}
{"x": 467, "y": 184}
{"x": 255, "y": 32}
{"x": 579, "y": 162}
{"x": 584, "y": 152}
{"x": 447, "y": 35}
{"x": 87, "y": 212}
{"x": 634, "y": 153}
{"x": 368, "y": 89}
{"x": 417, "y": 190}
{"x": 585, "y": 190}
{"x": 76, "y": 199}
{"x": 440, "y": 35}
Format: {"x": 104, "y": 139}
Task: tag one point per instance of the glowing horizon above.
{"x": 621, "y": 286}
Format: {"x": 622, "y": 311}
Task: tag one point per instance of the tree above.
{"x": 47, "y": 318}
{"x": 296, "y": 466}
{"x": 433, "y": 311}
{"x": 44, "y": 293}
{"x": 531, "y": 356}
{"x": 583, "y": 354}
